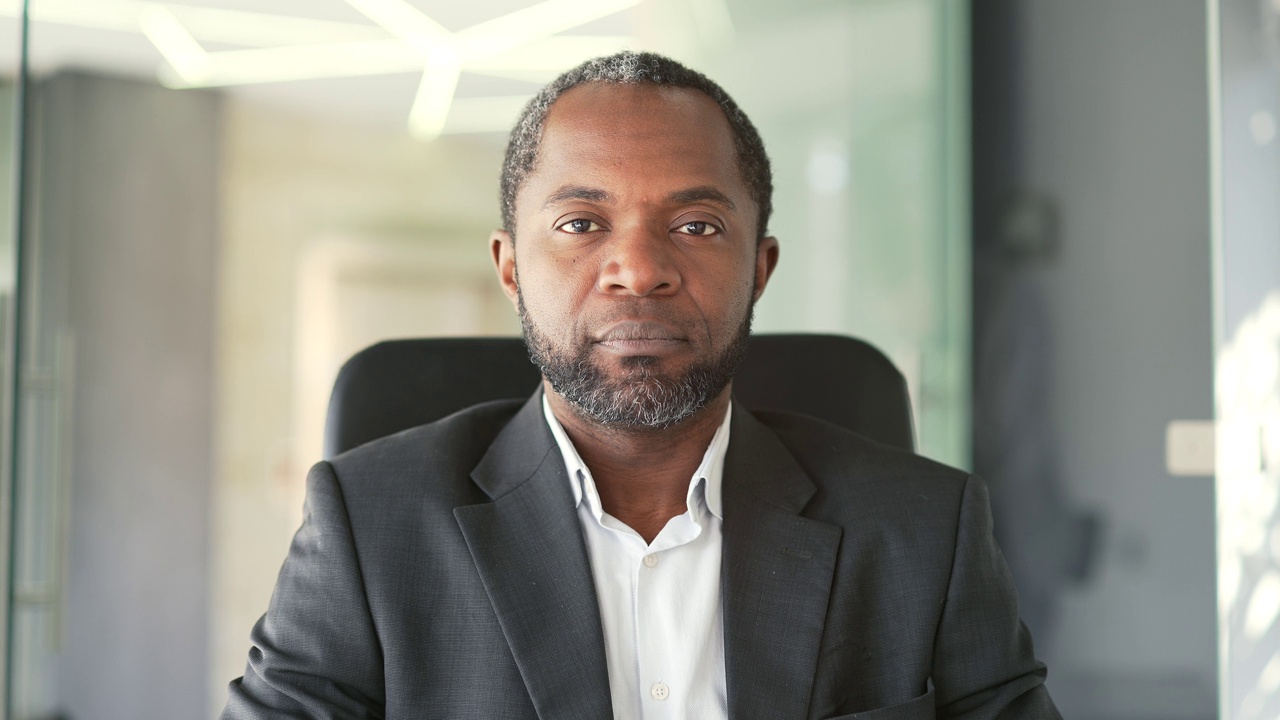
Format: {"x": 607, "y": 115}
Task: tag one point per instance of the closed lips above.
{"x": 640, "y": 331}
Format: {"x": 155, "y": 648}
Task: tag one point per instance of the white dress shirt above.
{"x": 659, "y": 603}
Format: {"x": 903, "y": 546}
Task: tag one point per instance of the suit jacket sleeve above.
{"x": 315, "y": 653}
{"x": 984, "y": 667}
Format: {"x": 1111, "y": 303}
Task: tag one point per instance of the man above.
{"x": 628, "y": 542}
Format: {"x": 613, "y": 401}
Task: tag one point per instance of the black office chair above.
{"x": 397, "y": 384}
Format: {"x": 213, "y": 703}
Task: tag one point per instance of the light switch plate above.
{"x": 1190, "y": 448}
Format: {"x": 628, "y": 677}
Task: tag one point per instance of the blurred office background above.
{"x": 1058, "y": 217}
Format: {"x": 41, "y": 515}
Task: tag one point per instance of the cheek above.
{"x": 740, "y": 290}
{"x": 549, "y": 269}
{"x": 725, "y": 298}
{"x": 552, "y": 292}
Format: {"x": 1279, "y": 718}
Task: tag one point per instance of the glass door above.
{"x": 12, "y": 76}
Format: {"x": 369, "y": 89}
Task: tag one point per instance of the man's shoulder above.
{"x": 447, "y": 448}
{"x": 854, "y": 471}
{"x": 822, "y": 446}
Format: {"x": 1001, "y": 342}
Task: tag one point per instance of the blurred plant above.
{"x": 1247, "y": 378}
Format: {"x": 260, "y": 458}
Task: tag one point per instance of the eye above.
{"x": 698, "y": 228}
{"x": 579, "y": 226}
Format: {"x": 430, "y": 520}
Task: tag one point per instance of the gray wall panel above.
{"x": 123, "y": 255}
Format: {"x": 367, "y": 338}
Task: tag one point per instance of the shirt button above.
{"x": 651, "y": 560}
{"x": 660, "y": 691}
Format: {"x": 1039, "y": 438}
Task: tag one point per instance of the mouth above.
{"x": 638, "y": 337}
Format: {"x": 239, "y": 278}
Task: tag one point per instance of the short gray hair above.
{"x": 631, "y": 68}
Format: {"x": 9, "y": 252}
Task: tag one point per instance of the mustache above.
{"x": 638, "y": 320}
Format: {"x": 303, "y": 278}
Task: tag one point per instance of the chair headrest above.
{"x": 398, "y": 384}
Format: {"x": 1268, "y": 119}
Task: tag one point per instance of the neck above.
{"x": 641, "y": 474}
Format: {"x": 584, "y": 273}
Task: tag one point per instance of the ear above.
{"x": 766, "y": 261}
{"x": 503, "y": 249}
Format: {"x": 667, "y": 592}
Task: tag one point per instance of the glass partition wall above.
{"x": 12, "y": 31}
{"x": 226, "y": 199}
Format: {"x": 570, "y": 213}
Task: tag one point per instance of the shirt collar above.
{"x": 707, "y": 480}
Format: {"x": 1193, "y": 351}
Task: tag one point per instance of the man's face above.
{"x": 636, "y": 264}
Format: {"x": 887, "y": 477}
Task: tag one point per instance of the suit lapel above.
{"x": 775, "y": 577}
{"x": 528, "y": 548}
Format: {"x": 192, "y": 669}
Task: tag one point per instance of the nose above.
{"x": 640, "y": 262}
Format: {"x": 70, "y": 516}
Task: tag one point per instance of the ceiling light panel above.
{"x": 553, "y": 53}
{"x": 258, "y": 29}
{"x": 486, "y": 114}
{"x": 223, "y": 43}
{"x": 403, "y": 20}
{"x": 206, "y": 24}
{"x": 302, "y": 62}
{"x": 533, "y": 23}
{"x": 172, "y": 39}
{"x": 435, "y": 94}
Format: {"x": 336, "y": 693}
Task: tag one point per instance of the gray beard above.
{"x": 642, "y": 399}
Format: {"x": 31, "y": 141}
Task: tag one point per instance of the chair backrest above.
{"x": 397, "y": 384}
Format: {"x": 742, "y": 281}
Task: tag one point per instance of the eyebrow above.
{"x": 577, "y": 192}
{"x": 704, "y": 193}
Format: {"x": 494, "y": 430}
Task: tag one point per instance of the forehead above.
{"x": 636, "y": 133}
{"x": 604, "y": 107}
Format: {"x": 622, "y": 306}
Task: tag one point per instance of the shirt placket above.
{"x": 662, "y": 682}
{"x": 654, "y": 682}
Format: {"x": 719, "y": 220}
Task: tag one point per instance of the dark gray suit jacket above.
{"x": 441, "y": 573}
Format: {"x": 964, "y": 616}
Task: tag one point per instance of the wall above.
{"x": 333, "y": 234}
{"x": 1094, "y": 304}
{"x": 116, "y": 402}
